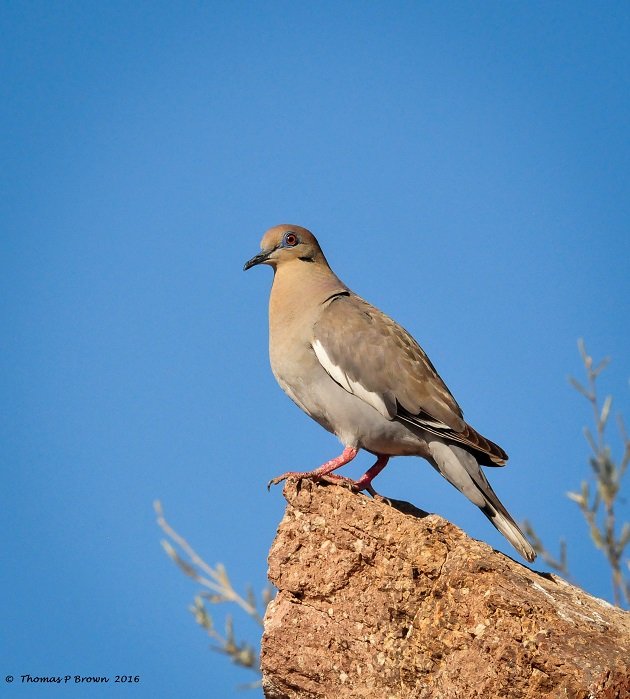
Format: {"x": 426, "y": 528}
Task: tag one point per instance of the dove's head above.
{"x": 287, "y": 243}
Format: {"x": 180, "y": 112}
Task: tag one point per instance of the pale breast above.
{"x": 300, "y": 374}
{"x": 355, "y": 422}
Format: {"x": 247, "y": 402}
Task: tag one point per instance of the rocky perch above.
{"x": 388, "y": 601}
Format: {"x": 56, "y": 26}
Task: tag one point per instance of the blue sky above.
{"x": 465, "y": 167}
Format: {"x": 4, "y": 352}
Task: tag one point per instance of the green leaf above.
{"x": 605, "y": 411}
{"x": 601, "y": 366}
{"x": 580, "y": 389}
{"x": 576, "y": 497}
{"x": 585, "y": 357}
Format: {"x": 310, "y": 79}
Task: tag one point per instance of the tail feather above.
{"x": 462, "y": 470}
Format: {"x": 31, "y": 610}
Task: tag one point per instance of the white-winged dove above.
{"x": 365, "y": 379}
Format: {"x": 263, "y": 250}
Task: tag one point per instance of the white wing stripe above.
{"x": 435, "y": 423}
{"x": 336, "y": 372}
{"x": 369, "y": 397}
{"x": 354, "y": 387}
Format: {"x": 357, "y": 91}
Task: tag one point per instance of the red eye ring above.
{"x": 291, "y": 239}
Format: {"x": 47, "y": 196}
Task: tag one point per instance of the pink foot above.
{"x": 325, "y": 473}
{"x": 334, "y": 479}
{"x": 365, "y": 482}
{"x": 348, "y": 454}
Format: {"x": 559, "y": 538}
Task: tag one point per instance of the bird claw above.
{"x": 276, "y": 480}
{"x": 379, "y": 498}
{"x": 296, "y": 475}
{"x": 354, "y": 486}
{"x": 332, "y": 479}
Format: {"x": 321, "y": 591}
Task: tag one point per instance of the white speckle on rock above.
{"x": 479, "y": 630}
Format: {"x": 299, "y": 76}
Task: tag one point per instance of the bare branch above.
{"x": 217, "y": 589}
{"x": 599, "y": 512}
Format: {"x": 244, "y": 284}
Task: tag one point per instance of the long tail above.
{"x": 460, "y": 468}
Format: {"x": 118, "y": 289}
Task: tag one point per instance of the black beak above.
{"x": 257, "y": 259}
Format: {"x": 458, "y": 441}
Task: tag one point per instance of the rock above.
{"x": 378, "y": 600}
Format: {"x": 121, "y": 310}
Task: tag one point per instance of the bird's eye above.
{"x": 290, "y": 239}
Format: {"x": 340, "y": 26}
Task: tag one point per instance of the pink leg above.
{"x": 348, "y": 454}
{"x": 365, "y": 482}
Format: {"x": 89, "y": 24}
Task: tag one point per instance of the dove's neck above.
{"x": 299, "y": 288}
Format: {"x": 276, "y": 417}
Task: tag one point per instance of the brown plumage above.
{"x": 422, "y": 398}
{"x": 363, "y": 377}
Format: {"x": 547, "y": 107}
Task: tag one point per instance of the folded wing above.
{"x": 375, "y": 359}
